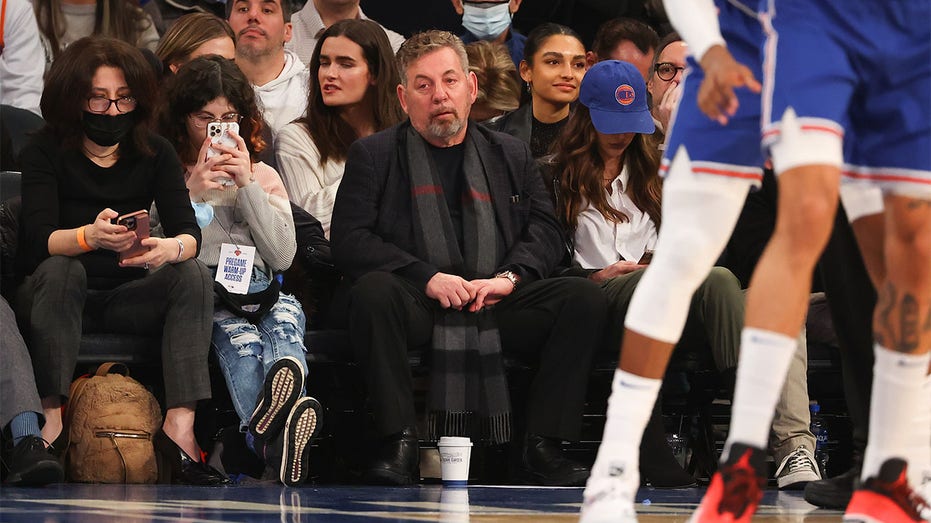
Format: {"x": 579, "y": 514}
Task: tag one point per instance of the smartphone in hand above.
{"x": 647, "y": 257}
{"x": 219, "y": 133}
{"x": 137, "y": 222}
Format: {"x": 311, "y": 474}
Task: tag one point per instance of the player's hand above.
{"x": 489, "y": 292}
{"x": 618, "y": 268}
{"x": 723, "y": 74}
{"x": 450, "y": 290}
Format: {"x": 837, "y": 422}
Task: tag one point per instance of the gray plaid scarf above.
{"x": 468, "y": 389}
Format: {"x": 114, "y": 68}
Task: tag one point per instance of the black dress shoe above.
{"x": 397, "y": 462}
{"x": 543, "y": 463}
{"x": 658, "y": 465}
{"x": 176, "y": 467}
{"x": 32, "y": 465}
{"x": 834, "y": 493}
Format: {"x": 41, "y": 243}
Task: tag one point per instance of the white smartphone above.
{"x": 219, "y": 135}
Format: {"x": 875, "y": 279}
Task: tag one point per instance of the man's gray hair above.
{"x": 425, "y": 43}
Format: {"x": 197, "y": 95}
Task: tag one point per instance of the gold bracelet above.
{"x": 82, "y": 241}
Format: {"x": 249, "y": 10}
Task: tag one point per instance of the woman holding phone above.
{"x": 212, "y": 120}
{"x": 604, "y": 172}
{"x": 96, "y": 160}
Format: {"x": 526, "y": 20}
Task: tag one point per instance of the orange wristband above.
{"x": 82, "y": 242}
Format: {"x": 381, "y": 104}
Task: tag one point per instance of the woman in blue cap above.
{"x": 607, "y": 188}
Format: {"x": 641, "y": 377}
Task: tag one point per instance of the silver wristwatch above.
{"x": 511, "y": 276}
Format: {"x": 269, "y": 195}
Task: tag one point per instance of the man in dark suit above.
{"x": 447, "y": 232}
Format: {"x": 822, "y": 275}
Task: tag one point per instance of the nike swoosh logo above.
{"x": 634, "y": 385}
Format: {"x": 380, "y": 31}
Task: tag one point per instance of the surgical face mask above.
{"x": 486, "y": 23}
{"x": 106, "y": 130}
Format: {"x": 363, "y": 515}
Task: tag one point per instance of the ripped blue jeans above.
{"x": 246, "y": 351}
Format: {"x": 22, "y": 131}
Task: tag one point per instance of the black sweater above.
{"x": 63, "y": 189}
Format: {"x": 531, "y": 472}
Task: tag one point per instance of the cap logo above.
{"x": 624, "y": 94}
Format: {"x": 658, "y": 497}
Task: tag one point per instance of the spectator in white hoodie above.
{"x": 280, "y": 78}
{"x": 22, "y": 60}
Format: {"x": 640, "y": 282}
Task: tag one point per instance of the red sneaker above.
{"x": 886, "y": 498}
{"x": 736, "y": 489}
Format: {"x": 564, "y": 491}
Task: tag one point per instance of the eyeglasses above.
{"x": 201, "y": 120}
{"x": 667, "y": 70}
{"x": 101, "y": 104}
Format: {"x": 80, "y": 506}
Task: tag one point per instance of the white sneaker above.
{"x": 609, "y": 499}
{"x": 797, "y": 469}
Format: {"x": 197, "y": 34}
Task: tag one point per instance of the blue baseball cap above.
{"x": 616, "y": 97}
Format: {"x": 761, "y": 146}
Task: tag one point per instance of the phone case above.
{"x": 139, "y": 222}
{"x": 219, "y": 134}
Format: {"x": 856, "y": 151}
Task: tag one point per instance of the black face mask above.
{"x": 106, "y": 130}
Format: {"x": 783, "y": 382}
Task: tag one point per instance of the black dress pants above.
{"x": 174, "y": 302}
{"x": 555, "y": 324}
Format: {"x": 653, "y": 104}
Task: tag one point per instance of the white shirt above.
{"x": 307, "y": 25}
{"x": 600, "y": 242}
{"x": 310, "y": 185}
{"x": 22, "y": 63}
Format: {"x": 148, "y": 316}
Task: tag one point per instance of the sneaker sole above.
{"x": 796, "y": 481}
{"x": 302, "y": 425}
{"x": 281, "y": 390}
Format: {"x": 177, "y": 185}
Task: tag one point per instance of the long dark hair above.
{"x": 68, "y": 85}
{"x": 121, "y": 19}
{"x": 198, "y": 83}
{"x": 330, "y": 133}
{"x": 578, "y": 166}
{"x": 535, "y": 40}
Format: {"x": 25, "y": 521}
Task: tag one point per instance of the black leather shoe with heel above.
{"x": 176, "y": 467}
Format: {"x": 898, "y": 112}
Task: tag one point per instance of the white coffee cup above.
{"x": 455, "y": 453}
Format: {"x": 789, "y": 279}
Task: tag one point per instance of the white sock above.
{"x": 899, "y": 381}
{"x": 765, "y": 357}
{"x": 629, "y": 407}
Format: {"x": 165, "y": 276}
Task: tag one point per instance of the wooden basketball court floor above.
{"x": 351, "y": 504}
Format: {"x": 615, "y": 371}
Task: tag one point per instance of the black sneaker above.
{"x": 283, "y": 385}
{"x": 288, "y": 455}
{"x": 31, "y": 464}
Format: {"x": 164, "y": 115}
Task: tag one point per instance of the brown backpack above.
{"x": 111, "y": 419}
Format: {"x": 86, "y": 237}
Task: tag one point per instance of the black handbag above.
{"x": 253, "y": 306}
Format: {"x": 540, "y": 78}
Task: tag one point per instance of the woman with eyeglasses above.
{"x": 248, "y": 236}
{"x": 94, "y": 161}
{"x": 665, "y": 79}
{"x": 552, "y": 70}
{"x": 353, "y": 78}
